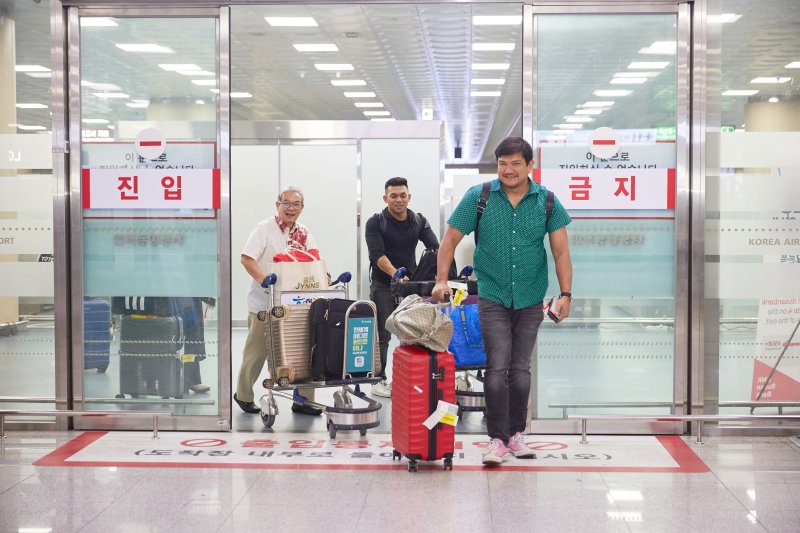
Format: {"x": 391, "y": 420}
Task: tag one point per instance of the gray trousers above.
{"x": 509, "y": 337}
{"x": 385, "y": 304}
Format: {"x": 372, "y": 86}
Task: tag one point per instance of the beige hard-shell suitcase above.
{"x": 290, "y": 359}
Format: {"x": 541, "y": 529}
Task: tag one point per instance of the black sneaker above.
{"x": 247, "y": 407}
{"x": 305, "y": 409}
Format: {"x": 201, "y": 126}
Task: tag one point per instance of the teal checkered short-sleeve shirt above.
{"x": 510, "y": 260}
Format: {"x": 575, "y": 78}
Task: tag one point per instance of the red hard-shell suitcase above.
{"x": 420, "y": 378}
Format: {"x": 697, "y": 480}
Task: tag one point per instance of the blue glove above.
{"x": 269, "y": 279}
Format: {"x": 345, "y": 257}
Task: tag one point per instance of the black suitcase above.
{"x": 327, "y": 337}
{"x": 149, "y": 354}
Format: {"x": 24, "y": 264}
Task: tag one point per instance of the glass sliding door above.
{"x": 609, "y": 130}
{"x": 147, "y": 237}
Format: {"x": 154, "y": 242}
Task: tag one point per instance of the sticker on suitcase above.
{"x": 374, "y": 452}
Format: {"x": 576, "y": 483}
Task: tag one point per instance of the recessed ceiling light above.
{"x": 490, "y": 66}
{"x": 204, "y": 82}
{"x": 40, "y": 74}
{"x": 793, "y": 64}
{"x": 588, "y": 111}
{"x": 648, "y": 64}
{"x": 31, "y": 68}
{"x": 20, "y": 126}
{"x": 568, "y": 126}
{"x": 661, "y": 48}
{"x": 740, "y": 92}
{"x": 291, "y": 21}
{"x": 200, "y": 102}
{"x": 596, "y": 103}
{"x": 138, "y": 104}
{"x": 359, "y": 94}
{"x": 146, "y": 48}
{"x": 773, "y": 100}
{"x": 496, "y": 20}
{"x": 572, "y": 118}
{"x": 322, "y": 47}
{"x": 770, "y": 80}
{"x": 111, "y": 95}
{"x": 612, "y": 92}
{"x": 493, "y": 47}
{"x": 333, "y": 66}
{"x": 241, "y": 95}
{"x": 97, "y": 22}
{"x": 31, "y": 106}
{"x": 100, "y": 86}
{"x": 178, "y": 66}
{"x": 488, "y": 81}
{"x": 348, "y": 83}
{"x": 368, "y": 104}
{"x": 628, "y": 81}
{"x": 376, "y": 113}
{"x": 94, "y": 121}
{"x": 485, "y": 93}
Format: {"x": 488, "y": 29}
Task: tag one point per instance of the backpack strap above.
{"x": 548, "y": 207}
{"x": 481, "y": 206}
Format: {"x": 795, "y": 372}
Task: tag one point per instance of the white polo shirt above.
{"x": 266, "y": 240}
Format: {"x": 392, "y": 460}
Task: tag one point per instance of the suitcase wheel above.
{"x": 448, "y": 463}
{"x": 362, "y": 432}
{"x": 396, "y": 455}
{"x": 331, "y": 429}
{"x": 268, "y": 420}
{"x": 412, "y": 465}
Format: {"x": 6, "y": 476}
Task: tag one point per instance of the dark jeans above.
{"x": 381, "y": 295}
{"x": 509, "y": 337}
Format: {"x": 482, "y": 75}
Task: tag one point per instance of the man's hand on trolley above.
{"x": 440, "y": 289}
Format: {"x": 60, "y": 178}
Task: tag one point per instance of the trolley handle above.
{"x": 343, "y": 278}
{"x": 269, "y": 279}
{"x": 398, "y": 275}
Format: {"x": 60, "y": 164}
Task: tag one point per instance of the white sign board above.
{"x": 777, "y": 318}
{"x": 30, "y": 151}
{"x": 151, "y": 189}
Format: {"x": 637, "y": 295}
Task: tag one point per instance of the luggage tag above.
{"x": 548, "y": 308}
{"x": 446, "y": 413}
{"x": 460, "y": 291}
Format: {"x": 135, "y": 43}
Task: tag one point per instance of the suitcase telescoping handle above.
{"x": 439, "y": 375}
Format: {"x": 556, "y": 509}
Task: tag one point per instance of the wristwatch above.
{"x": 566, "y": 294}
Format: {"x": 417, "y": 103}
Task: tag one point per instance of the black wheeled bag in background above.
{"x": 327, "y": 336}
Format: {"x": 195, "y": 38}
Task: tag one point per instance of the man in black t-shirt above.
{"x": 392, "y": 236}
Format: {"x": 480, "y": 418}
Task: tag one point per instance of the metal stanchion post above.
{"x": 583, "y": 431}
{"x": 700, "y": 424}
{"x": 155, "y": 427}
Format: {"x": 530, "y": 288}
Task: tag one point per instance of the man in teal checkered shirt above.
{"x": 511, "y": 266}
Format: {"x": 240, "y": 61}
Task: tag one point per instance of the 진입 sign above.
{"x": 151, "y": 188}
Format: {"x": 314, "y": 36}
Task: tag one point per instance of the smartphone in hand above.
{"x": 552, "y": 311}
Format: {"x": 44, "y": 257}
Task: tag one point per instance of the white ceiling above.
{"x": 413, "y": 56}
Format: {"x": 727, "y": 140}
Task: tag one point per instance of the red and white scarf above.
{"x": 297, "y": 236}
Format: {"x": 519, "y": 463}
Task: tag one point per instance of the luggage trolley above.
{"x": 467, "y": 398}
{"x": 290, "y": 360}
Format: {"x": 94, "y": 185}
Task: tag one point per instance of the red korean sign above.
{"x": 617, "y": 188}
{"x": 145, "y": 188}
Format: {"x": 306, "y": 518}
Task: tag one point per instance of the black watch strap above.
{"x": 567, "y": 294}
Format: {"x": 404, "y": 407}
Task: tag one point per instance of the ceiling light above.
{"x": 39, "y": 74}
{"x": 376, "y": 113}
{"x": 291, "y": 21}
{"x": 485, "y": 93}
{"x": 94, "y": 121}
{"x": 146, "y": 48}
{"x": 241, "y": 95}
{"x": 333, "y": 66}
{"x": 648, "y": 64}
{"x": 490, "y": 66}
{"x": 348, "y": 83}
{"x": 31, "y": 68}
{"x": 204, "y": 82}
{"x": 770, "y": 80}
{"x": 199, "y": 102}
{"x": 573, "y": 118}
{"x": 588, "y": 111}
{"x": 628, "y": 81}
{"x": 493, "y": 47}
{"x": 564, "y": 132}
{"x": 111, "y": 95}
{"x": 137, "y": 104}
{"x": 496, "y": 20}
{"x": 612, "y": 92}
{"x": 773, "y": 100}
{"x": 568, "y": 126}
{"x": 322, "y": 47}
{"x": 793, "y": 64}
{"x": 31, "y": 106}
{"x": 97, "y": 22}
{"x": 100, "y": 86}
{"x": 740, "y": 92}
{"x": 196, "y": 73}
{"x": 596, "y": 103}
{"x": 368, "y": 104}
{"x": 635, "y": 74}
{"x": 178, "y": 66}
{"x": 729, "y": 18}
{"x": 20, "y": 126}
{"x": 488, "y": 81}
{"x": 661, "y": 48}
{"x": 215, "y": 91}
{"x": 359, "y": 94}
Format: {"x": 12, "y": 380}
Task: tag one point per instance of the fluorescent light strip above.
{"x": 497, "y": 20}
{"x": 137, "y": 104}
{"x": 196, "y": 73}
{"x": 146, "y": 48}
{"x": 493, "y": 47}
{"x": 333, "y": 66}
{"x": 740, "y": 92}
{"x": 31, "y": 106}
{"x": 595, "y": 103}
{"x": 588, "y": 111}
{"x": 359, "y": 94}
{"x": 100, "y": 86}
{"x": 490, "y": 66}
{"x": 31, "y": 68}
{"x": 97, "y": 22}
{"x": 291, "y": 21}
{"x": 368, "y": 104}
{"x": 322, "y": 47}
{"x": 770, "y": 80}
{"x": 573, "y": 118}
{"x": 40, "y": 74}
{"x": 204, "y": 82}
{"x": 20, "y": 126}
{"x": 485, "y": 93}
{"x": 648, "y": 64}
{"x": 627, "y": 81}
{"x": 111, "y": 95}
{"x": 348, "y": 83}
{"x": 793, "y": 64}
{"x": 241, "y": 95}
{"x": 569, "y": 126}
{"x": 94, "y": 121}
{"x": 661, "y": 48}
{"x": 612, "y": 92}
{"x": 173, "y": 67}
{"x": 728, "y": 18}
{"x": 635, "y": 74}
{"x": 488, "y": 81}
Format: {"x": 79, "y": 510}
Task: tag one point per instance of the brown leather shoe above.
{"x": 247, "y": 407}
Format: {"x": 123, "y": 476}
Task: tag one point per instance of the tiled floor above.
{"x": 753, "y": 485}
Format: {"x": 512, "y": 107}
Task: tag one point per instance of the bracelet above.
{"x": 567, "y": 294}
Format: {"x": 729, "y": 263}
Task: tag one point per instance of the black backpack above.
{"x": 327, "y": 336}
{"x": 426, "y": 268}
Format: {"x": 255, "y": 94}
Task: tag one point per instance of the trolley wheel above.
{"x": 396, "y": 455}
{"x": 268, "y": 420}
{"x": 102, "y": 369}
{"x": 412, "y": 465}
{"x": 268, "y": 383}
{"x": 448, "y": 463}
{"x": 283, "y": 382}
{"x": 331, "y": 429}
{"x": 362, "y": 432}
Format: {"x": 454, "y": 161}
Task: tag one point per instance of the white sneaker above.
{"x": 495, "y": 453}
{"x": 518, "y": 447}
{"x": 382, "y": 389}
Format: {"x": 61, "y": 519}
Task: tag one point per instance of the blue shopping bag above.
{"x": 467, "y": 342}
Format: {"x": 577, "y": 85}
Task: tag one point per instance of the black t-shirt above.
{"x": 398, "y": 242}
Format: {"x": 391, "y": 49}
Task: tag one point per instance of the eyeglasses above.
{"x": 287, "y": 204}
